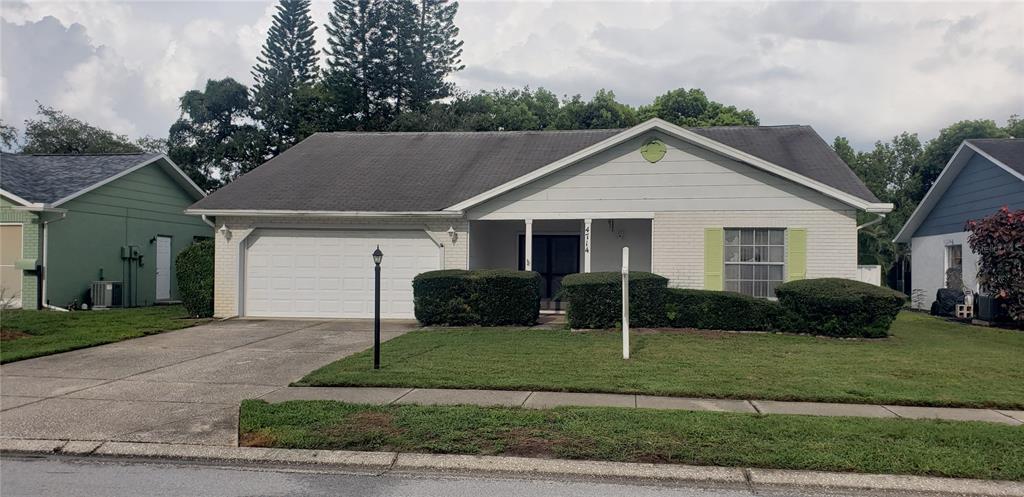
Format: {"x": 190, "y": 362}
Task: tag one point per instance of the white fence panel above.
{"x": 870, "y": 274}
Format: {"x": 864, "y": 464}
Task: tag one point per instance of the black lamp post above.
{"x": 377, "y": 256}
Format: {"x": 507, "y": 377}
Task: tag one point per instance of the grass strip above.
{"x": 863, "y": 445}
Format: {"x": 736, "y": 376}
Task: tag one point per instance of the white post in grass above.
{"x": 625, "y": 302}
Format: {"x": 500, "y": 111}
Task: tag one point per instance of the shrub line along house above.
{"x": 69, "y": 220}
{"x": 734, "y": 208}
{"x": 983, "y": 176}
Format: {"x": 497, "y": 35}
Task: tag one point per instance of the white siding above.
{"x": 928, "y": 264}
{"x": 679, "y": 240}
{"x": 688, "y": 178}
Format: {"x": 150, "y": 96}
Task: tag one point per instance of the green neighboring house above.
{"x": 69, "y": 220}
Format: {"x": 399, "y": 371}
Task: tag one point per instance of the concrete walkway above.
{"x": 541, "y": 400}
{"x": 177, "y": 387}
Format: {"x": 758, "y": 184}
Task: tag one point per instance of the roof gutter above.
{"x": 343, "y": 214}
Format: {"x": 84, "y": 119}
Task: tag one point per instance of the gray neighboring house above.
{"x": 733, "y": 208}
{"x": 983, "y": 176}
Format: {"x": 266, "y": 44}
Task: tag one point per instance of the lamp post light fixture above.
{"x": 377, "y": 257}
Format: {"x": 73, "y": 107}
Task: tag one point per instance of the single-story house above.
{"x": 735, "y": 208}
{"x": 983, "y": 176}
{"x": 69, "y": 220}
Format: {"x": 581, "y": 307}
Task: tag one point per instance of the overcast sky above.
{"x": 863, "y": 70}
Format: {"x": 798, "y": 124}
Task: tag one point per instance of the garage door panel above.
{"x": 294, "y": 273}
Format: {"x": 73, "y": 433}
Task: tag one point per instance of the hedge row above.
{"x": 194, "y": 269}
{"x": 838, "y": 307}
{"x": 595, "y": 299}
{"x": 827, "y": 306}
{"x": 493, "y": 297}
{"x": 711, "y": 310}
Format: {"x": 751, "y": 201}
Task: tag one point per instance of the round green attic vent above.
{"x": 653, "y": 150}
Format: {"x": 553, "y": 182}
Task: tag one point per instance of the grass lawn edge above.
{"x": 45, "y": 332}
{"x": 957, "y": 449}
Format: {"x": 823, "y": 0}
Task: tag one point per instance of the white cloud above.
{"x": 864, "y": 70}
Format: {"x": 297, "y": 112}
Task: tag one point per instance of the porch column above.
{"x": 586, "y": 245}
{"x": 528, "y": 246}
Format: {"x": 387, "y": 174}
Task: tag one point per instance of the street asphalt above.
{"x": 58, "y": 476}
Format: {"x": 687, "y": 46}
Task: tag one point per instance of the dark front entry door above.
{"x": 554, "y": 256}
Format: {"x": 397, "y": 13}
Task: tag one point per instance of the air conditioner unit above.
{"x": 106, "y": 294}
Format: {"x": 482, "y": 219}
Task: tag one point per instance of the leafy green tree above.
{"x": 54, "y": 132}
{"x": 213, "y": 140}
{"x": 503, "y": 109}
{"x": 693, "y": 108}
{"x": 8, "y": 137}
{"x": 843, "y": 149}
{"x": 286, "y": 66}
{"x": 601, "y": 112}
{"x": 888, "y": 170}
{"x": 939, "y": 150}
{"x": 1015, "y": 126}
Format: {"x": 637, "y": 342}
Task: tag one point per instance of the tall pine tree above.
{"x": 285, "y": 69}
{"x": 440, "y": 52}
{"x": 390, "y": 56}
{"x": 348, "y": 60}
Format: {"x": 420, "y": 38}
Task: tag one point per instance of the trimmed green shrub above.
{"x": 194, "y": 269}
{"x": 443, "y": 298}
{"x": 595, "y": 299}
{"x": 495, "y": 297}
{"x": 713, "y": 310}
{"x": 506, "y": 297}
{"x": 838, "y": 307}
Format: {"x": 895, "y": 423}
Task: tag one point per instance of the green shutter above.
{"x": 796, "y": 254}
{"x": 713, "y": 247}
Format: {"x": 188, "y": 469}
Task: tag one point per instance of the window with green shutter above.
{"x": 713, "y": 258}
{"x": 796, "y": 254}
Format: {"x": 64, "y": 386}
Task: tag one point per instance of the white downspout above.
{"x": 207, "y": 221}
{"x": 46, "y": 267}
{"x": 872, "y": 222}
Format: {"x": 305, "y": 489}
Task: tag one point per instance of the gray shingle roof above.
{"x": 397, "y": 172}
{"x": 1009, "y": 151}
{"x": 49, "y": 178}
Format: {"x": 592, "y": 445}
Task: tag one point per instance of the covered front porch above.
{"x": 558, "y": 247}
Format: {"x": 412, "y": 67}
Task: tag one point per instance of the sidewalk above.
{"x": 543, "y": 400}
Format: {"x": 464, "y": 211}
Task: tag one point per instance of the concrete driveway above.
{"x": 178, "y": 387}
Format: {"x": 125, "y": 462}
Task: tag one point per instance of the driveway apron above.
{"x": 177, "y": 387}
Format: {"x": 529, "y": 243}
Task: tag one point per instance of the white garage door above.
{"x": 329, "y": 274}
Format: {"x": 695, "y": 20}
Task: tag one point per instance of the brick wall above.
{"x": 226, "y": 263}
{"x": 679, "y": 240}
{"x": 30, "y": 249}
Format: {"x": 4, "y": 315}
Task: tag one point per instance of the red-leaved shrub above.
{"x": 999, "y": 242}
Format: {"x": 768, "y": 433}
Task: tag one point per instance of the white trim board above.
{"x": 18, "y": 200}
{"x": 656, "y": 124}
{"x": 301, "y": 213}
{"x": 956, "y": 163}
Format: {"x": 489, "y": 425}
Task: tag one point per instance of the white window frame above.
{"x": 726, "y": 263}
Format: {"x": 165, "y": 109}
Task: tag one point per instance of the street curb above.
{"x": 388, "y": 462}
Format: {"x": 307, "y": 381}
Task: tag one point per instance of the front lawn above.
{"x": 939, "y": 448}
{"x": 28, "y": 333}
{"x": 927, "y": 361}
